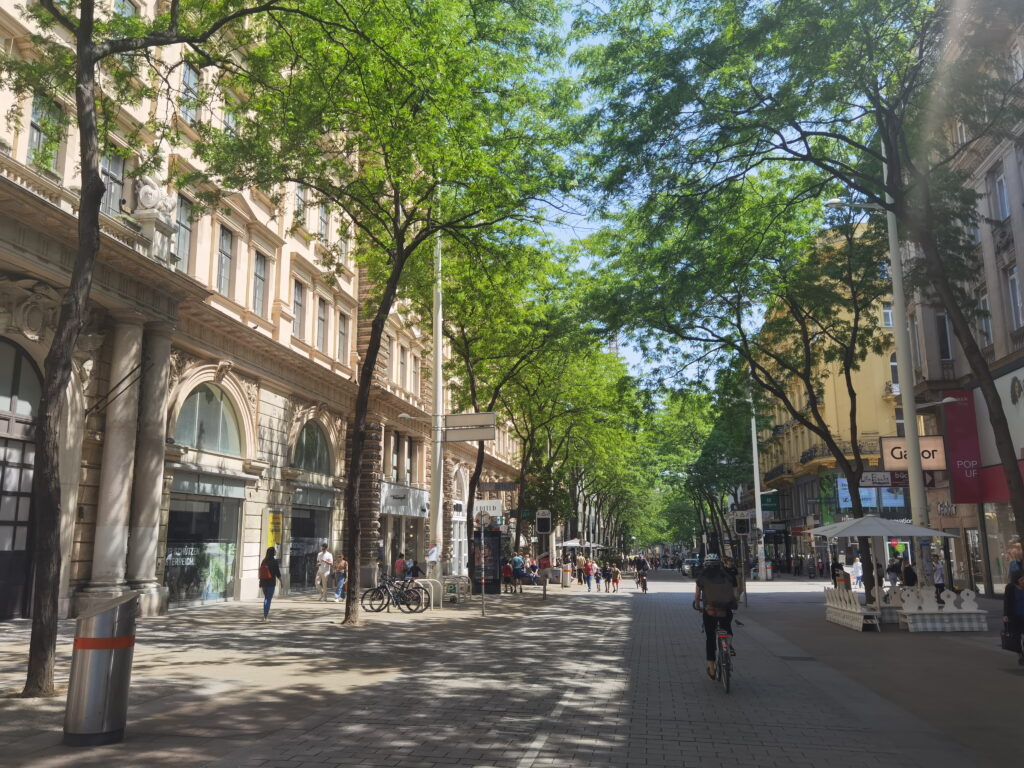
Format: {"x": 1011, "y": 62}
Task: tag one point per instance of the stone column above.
{"x": 149, "y": 471}
{"x": 115, "y": 490}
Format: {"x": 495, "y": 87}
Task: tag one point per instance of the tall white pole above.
{"x": 904, "y": 366}
{"x": 437, "y": 446}
{"x": 762, "y": 569}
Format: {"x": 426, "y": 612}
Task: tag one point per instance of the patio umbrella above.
{"x": 572, "y": 543}
{"x": 873, "y": 525}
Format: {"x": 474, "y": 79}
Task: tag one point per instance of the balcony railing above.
{"x": 777, "y": 471}
{"x": 892, "y": 389}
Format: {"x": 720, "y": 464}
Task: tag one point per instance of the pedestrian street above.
{"x": 588, "y": 680}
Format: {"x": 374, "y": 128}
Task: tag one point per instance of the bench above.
{"x": 844, "y": 608}
{"x": 922, "y": 612}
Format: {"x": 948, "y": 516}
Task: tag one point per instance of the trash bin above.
{"x": 101, "y": 671}
{"x": 768, "y": 572}
{"x": 843, "y": 581}
{"x": 566, "y": 575}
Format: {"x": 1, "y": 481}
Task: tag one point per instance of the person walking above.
{"x": 907, "y": 574}
{"x": 588, "y": 573}
{"x": 340, "y": 576}
{"x": 269, "y": 574}
{"x": 616, "y": 578}
{"x": 324, "y": 565}
{"x": 892, "y": 571}
{"x": 581, "y": 563}
{"x": 1013, "y": 610}
{"x": 857, "y": 571}
{"x": 400, "y": 566}
{"x": 938, "y": 576}
{"x": 606, "y": 574}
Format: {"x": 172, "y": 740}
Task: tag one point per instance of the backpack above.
{"x": 717, "y": 588}
{"x": 265, "y": 574}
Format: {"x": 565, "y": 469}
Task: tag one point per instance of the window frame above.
{"x": 189, "y": 91}
{"x": 112, "y": 182}
{"x": 342, "y": 338}
{"x": 298, "y": 309}
{"x": 225, "y": 261}
{"x": 887, "y": 314}
{"x": 1013, "y": 289}
{"x": 984, "y": 319}
{"x": 322, "y": 323}
{"x": 259, "y": 283}
{"x": 324, "y": 222}
{"x": 183, "y": 263}
{"x": 37, "y": 133}
{"x": 1002, "y": 198}
{"x": 944, "y": 337}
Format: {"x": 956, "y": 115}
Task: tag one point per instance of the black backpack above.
{"x": 717, "y": 588}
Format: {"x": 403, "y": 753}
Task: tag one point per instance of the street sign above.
{"x": 769, "y": 502}
{"x": 929, "y": 479}
{"x": 543, "y": 522}
{"x": 503, "y": 486}
{"x": 490, "y": 507}
{"x": 487, "y": 419}
{"x": 461, "y": 434}
{"x": 876, "y": 480}
{"x": 485, "y": 519}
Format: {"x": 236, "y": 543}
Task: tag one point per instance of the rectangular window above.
{"x": 300, "y": 204}
{"x": 112, "y": 173}
{"x": 984, "y": 320}
{"x": 415, "y": 386}
{"x": 1013, "y": 288}
{"x": 887, "y": 314}
{"x": 945, "y": 336}
{"x": 961, "y": 133}
{"x": 298, "y": 310}
{"x": 183, "y": 239}
{"x": 915, "y": 342}
{"x": 343, "y": 337}
{"x": 410, "y": 460}
{"x": 259, "y": 285}
{"x": 225, "y": 256}
{"x": 189, "y": 102}
{"x": 900, "y": 427}
{"x": 392, "y": 360}
{"x": 125, "y": 9}
{"x": 1002, "y": 199}
{"x": 321, "y": 325}
{"x": 396, "y": 452}
{"x": 403, "y": 367}
{"x": 325, "y": 222}
{"x": 45, "y": 115}
{"x": 1017, "y": 62}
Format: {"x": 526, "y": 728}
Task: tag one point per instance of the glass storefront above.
{"x": 310, "y": 527}
{"x": 202, "y": 549}
{"x": 1001, "y": 533}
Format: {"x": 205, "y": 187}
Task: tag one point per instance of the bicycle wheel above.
{"x": 374, "y": 599}
{"x": 409, "y": 600}
{"x": 724, "y": 668}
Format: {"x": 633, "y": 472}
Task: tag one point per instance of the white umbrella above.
{"x": 572, "y": 543}
{"x": 873, "y": 525}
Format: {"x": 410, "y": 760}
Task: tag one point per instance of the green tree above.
{"x": 422, "y": 119}
{"x": 696, "y": 95}
{"x": 102, "y": 61}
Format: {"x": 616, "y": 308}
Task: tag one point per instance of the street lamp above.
{"x": 762, "y": 566}
{"x": 918, "y": 502}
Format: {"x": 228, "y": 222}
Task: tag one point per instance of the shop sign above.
{"x": 894, "y": 452}
{"x": 963, "y": 447}
{"x": 275, "y": 528}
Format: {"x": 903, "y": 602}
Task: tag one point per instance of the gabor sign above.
{"x": 894, "y": 452}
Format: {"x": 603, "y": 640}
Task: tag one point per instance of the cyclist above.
{"x": 716, "y": 593}
{"x": 641, "y": 567}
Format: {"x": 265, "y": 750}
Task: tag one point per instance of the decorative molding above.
{"x": 180, "y": 362}
{"x": 28, "y": 307}
{"x": 223, "y": 369}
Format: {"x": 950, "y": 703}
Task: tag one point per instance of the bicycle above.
{"x": 641, "y": 581}
{"x": 393, "y": 592}
{"x": 723, "y": 658}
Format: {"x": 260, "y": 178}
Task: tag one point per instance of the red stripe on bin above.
{"x": 104, "y": 643}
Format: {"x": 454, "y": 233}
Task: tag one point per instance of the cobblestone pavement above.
{"x": 587, "y": 680}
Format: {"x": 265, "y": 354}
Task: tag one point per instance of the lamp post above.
{"x": 762, "y": 567}
{"x": 437, "y": 444}
{"x": 904, "y": 368}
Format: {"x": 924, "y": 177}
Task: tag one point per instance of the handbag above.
{"x": 1010, "y": 641}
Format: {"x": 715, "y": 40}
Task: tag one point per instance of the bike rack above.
{"x": 438, "y": 596}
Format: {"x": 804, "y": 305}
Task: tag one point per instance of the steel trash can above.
{"x": 768, "y": 572}
{"x": 101, "y": 670}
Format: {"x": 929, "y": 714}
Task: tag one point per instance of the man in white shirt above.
{"x": 324, "y": 563}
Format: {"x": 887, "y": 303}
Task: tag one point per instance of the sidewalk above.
{"x": 578, "y": 681}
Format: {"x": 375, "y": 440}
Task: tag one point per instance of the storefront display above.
{"x": 202, "y": 550}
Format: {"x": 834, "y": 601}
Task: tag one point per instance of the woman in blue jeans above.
{"x": 340, "y": 575}
{"x": 270, "y": 574}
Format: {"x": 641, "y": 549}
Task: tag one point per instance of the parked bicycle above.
{"x": 407, "y": 595}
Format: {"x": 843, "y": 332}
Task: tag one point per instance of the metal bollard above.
{"x": 101, "y": 671}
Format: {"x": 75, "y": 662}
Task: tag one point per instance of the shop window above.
{"x": 312, "y": 450}
{"x": 207, "y": 422}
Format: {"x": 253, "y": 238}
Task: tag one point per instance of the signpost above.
{"x": 484, "y": 520}
{"x": 459, "y": 427}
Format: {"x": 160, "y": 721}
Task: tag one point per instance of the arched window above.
{"x": 20, "y": 389}
{"x": 207, "y": 422}
{"x": 312, "y": 451}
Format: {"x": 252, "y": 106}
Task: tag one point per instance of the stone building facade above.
{"x": 213, "y": 391}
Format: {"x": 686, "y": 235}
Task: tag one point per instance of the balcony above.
{"x": 778, "y": 470}
{"x": 891, "y": 390}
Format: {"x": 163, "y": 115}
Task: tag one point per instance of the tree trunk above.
{"x": 46, "y": 501}
{"x": 353, "y": 516}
